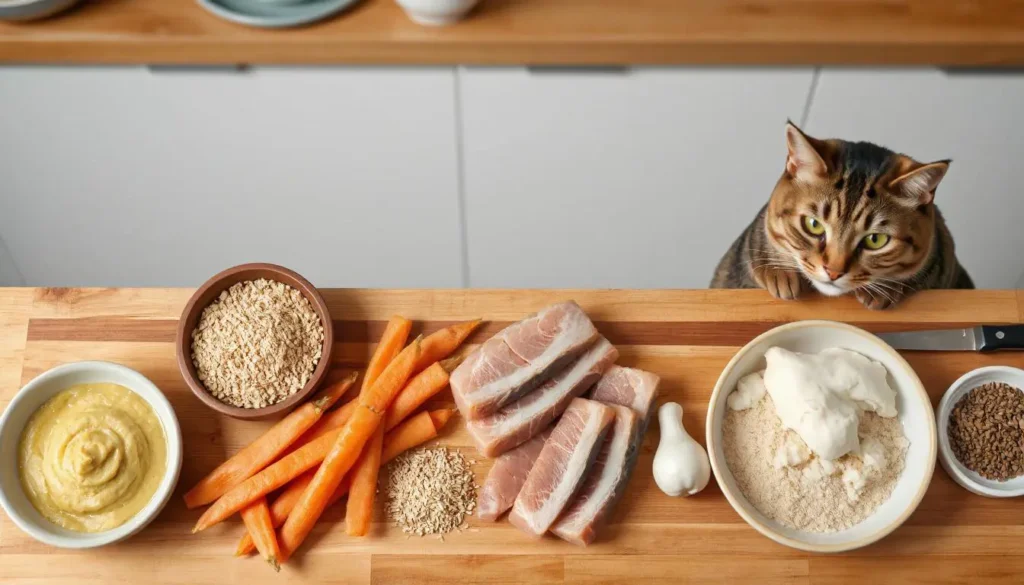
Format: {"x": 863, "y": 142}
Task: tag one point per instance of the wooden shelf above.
{"x": 544, "y": 32}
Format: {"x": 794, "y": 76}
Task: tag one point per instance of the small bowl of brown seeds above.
{"x": 254, "y": 341}
{"x": 981, "y": 431}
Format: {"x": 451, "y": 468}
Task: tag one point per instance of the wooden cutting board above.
{"x": 684, "y": 336}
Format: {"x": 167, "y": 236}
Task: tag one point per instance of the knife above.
{"x": 980, "y": 338}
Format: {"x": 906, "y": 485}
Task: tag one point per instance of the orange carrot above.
{"x": 265, "y": 449}
{"x": 274, "y": 476}
{"x": 364, "y": 474}
{"x": 347, "y": 447}
{"x": 415, "y": 431}
{"x": 412, "y": 433}
{"x": 359, "y": 510}
{"x": 391, "y": 381}
{"x": 424, "y": 385}
{"x": 440, "y": 417}
{"x": 391, "y": 342}
{"x": 440, "y": 344}
{"x": 257, "y": 522}
{"x": 331, "y": 421}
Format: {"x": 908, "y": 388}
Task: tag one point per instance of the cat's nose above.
{"x": 833, "y": 274}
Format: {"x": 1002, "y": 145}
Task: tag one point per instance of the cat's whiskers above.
{"x": 766, "y": 258}
{"x": 889, "y": 287}
{"x": 897, "y": 284}
{"x": 770, "y": 264}
{"x": 874, "y": 288}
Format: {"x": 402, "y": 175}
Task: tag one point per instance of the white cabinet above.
{"x": 636, "y": 179}
{"x": 976, "y": 119}
{"x": 124, "y": 176}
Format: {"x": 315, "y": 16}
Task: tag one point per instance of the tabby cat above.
{"x": 847, "y": 217}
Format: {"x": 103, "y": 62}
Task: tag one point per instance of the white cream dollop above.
{"x": 749, "y": 391}
{"x": 820, "y": 396}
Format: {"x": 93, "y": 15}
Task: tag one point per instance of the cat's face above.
{"x": 852, "y": 215}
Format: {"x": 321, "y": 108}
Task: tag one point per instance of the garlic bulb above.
{"x": 681, "y": 466}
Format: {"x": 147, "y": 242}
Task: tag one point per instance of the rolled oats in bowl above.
{"x": 257, "y": 344}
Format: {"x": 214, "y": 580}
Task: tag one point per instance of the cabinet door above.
{"x": 975, "y": 119}
{"x": 124, "y": 176}
{"x": 635, "y": 179}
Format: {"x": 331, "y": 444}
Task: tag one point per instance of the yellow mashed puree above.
{"x": 92, "y": 456}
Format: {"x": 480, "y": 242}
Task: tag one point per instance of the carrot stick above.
{"x": 331, "y": 421}
{"x": 424, "y": 385}
{"x": 274, "y": 476}
{"x": 257, "y": 522}
{"x": 265, "y": 449}
{"x": 391, "y": 342}
{"x": 347, "y": 447}
{"x": 364, "y": 474}
{"x": 440, "y": 417}
{"x": 412, "y": 433}
{"x": 359, "y": 510}
{"x": 440, "y": 344}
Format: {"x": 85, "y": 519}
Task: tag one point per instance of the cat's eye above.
{"x": 875, "y": 241}
{"x": 813, "y": 226}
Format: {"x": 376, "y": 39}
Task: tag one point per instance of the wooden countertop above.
{"x": 685, "y": 336}
{"x": 553, "y": 32}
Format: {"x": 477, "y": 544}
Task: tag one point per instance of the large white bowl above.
{"x": 29, "y": 399}
{"x": 915, "y": 414}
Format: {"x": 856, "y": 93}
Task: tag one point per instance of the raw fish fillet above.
{"x": 562, "y": 465}
{"x": 632, "y": 391}
{"x": 605, "y": 483}
{"x": 519, "y": 358}
{"x": 515, "y": 423}
{"x": 630, "y": 387}
{"x": 507, "y": 476}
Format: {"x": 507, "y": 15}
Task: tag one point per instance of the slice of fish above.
{"x": 507, "y": 476}
{"x": 562, "y": 465}
{"x": 632, "y": 392}
{"x": 605, "y": 483}
{"x": 630, "y": 387}
{"x": 515, "y": 423}
{"x": 520, "y": 357}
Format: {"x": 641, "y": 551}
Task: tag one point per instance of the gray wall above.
{"x": 447, "y": 177}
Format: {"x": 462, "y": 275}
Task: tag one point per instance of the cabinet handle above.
{"x": 171, "y": 69}
{"x": 578, "y": 69}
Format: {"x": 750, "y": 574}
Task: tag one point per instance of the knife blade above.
{"x": 978, "y": 338}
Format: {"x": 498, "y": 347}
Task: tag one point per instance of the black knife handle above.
{"x": 995, "y": 337}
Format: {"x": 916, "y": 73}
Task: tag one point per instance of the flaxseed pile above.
{"x": 257, "y": 344}
{"x": 430, "y": 491}
{"x": 986, "y": 431}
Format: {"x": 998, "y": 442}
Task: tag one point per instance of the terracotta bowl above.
{"x": 210, "y": 290}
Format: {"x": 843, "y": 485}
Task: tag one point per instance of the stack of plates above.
{"x": 275, "y": 13}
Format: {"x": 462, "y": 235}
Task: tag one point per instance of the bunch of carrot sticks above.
{"x": 318, "y": 456}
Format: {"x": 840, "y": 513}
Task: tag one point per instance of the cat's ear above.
{"x": 804, "y": 162}
{"x": 917, "y": 185}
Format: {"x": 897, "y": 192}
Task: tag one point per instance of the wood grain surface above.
{"x": 685, "y": 336}
{"x": 553, "y": 32}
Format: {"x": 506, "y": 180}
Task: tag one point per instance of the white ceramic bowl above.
{"x": 436, "y": 12}
{"x": 960, "y": 474}
{"x": 915, "y": 414}
{"x": 29, "y": 399}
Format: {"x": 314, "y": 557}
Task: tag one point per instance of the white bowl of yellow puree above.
{"x": 89, "y": 454}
